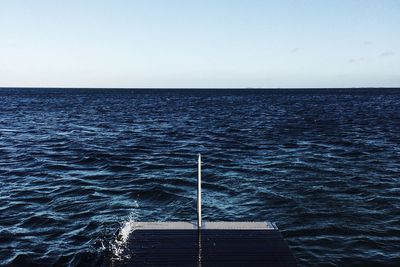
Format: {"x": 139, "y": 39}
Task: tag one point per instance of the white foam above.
{"x": 118, "y": 245}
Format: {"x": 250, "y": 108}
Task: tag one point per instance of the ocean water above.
{"x": 79, "y": 167}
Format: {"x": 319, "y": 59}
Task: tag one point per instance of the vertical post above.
{"x": 199, "y": 193}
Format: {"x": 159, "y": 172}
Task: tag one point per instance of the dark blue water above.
{"x": 78, "y": 167}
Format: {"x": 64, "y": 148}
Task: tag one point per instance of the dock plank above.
{"x": 261, "y": 246}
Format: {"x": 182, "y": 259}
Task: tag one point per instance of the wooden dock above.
{"x": 215, "y": 244}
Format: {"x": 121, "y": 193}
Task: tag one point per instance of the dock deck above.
{"x": 215, "y": 244}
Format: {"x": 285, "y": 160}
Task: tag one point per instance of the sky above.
{"x": 193, "y": 43}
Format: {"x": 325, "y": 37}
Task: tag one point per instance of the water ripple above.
{"x": 79, "y": 167}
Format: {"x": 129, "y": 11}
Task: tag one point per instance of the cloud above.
{"x": 355, "y": 60}
{"x": 387, "y": 54}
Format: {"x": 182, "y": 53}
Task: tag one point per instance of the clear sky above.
{"x": 200, "y": 43}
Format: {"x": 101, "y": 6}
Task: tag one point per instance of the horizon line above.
{"x": 200, "y": 88}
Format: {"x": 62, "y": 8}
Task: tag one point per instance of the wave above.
{"x": 73, "y": 161}
{"x": 119, "y": 243}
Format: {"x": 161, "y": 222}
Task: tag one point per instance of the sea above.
{"x": 78, "y": 168}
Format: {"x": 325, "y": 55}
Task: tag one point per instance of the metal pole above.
{"x": 199, "y": 192}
